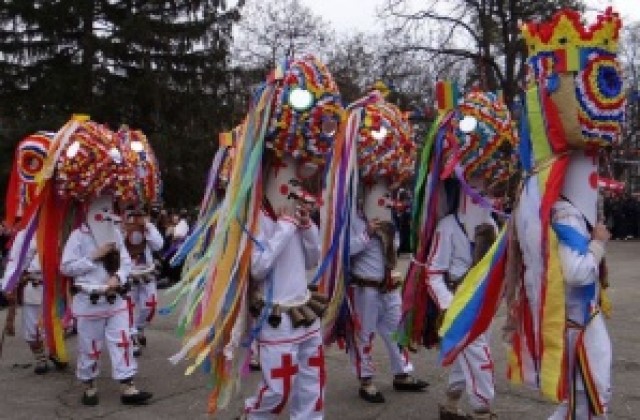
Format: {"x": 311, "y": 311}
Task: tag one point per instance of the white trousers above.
{"x": 378, "y": 313}
{"x": 32, "y": 330}
{"x": 290, "y": 371}
{"x": 598, "y": 350}
{"x": 144, "y": 298}
{"x": 473, "y": 371}
{"x": 92, "y": 333}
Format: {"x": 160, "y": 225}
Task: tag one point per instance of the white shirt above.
{"x": 367, "y": 255}
{"x": 31, "y": 295}
{"x": 77, "y": 263}
{"x": 450, "y": 253}
{"x": 154, "y": 242}
{"x": 577, "y": 270}
{"x": 287, "y": 252}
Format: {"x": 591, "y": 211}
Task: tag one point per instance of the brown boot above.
{"x": 485, "y": 414}
{"x": 450, "y": 410}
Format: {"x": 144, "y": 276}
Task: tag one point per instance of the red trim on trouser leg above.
{"x": 358, "y": 362}
{"x": 366, "y": 349}
{"x": 318, "y": 361}
{"x": 124, "y": 344}
{"x": 488, "y": 366}
{"x": 151, "y": 304}
{"x": 94, "y": 355}
{"x": 286, "y": 372}
{"x": 474, "y": 387}
{"x": 260, "y": 396}
{"x": 405, "y": 356}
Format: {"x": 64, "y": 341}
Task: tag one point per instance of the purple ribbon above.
{"x": 475, "y": 195}
{"x": 17, "y": 273}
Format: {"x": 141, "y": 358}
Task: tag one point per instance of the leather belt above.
{"x": 381, "y": 285}
{"x": 34, "y": 279}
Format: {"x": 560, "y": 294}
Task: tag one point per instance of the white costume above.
{"x": 580, "y": 271}
{"x": 451, "y": 255}
{"x": 378, "y": 311}
{"x": 586, "y": 330}
{"x": 144, "y": 294}
{"x": 102, "y": 320}
{"x": 32, "y": 289}
{"x": 181, "y": 230}
{"x": 292, "y": 359}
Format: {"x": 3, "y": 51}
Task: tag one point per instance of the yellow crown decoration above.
{"x": 565, "y": 35}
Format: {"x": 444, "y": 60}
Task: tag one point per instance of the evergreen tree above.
{"x": 156, "y": 65}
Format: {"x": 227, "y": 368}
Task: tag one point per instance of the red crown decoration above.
{"x": 565, "y": 35}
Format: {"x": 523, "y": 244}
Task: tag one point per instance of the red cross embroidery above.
{"x": 489, "y": 365}
{"x": 286, "y": 372}
{"x": 94, "y": 355}
{"x": 366, "y": 349}
{"x": 318, "y": 361}
{"x": 124, "y": 345}
{"x": 130, "y": 307}
{"x": 151, "y": 304}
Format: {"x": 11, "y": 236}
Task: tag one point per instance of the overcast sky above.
{"x": 347, "y": 15}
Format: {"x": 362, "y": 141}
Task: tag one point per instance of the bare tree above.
{"x": 626, "y": 162}
{"x": 485, "y": 33}
{"x": 272, "y": 29}
{"x": 358, "y": 60}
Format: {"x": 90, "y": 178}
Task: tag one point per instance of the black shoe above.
{"x": 41, "y": 367}
{"x": 139, "y": 398}
{"x": 142, "y": 340}
{"x": 57, "y": 363}
{"x": 90, "y": 400}
{"x": 446, "y": 414}
{"x": 375, "y": 398}
{"x": 411, "y": 384}
{"x": 135, "y": 341}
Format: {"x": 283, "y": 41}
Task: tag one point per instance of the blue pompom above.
{"x": 553, "y": 82}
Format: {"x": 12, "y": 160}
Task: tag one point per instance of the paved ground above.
{"x": 56, "y": 395}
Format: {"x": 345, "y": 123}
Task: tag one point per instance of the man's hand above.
{"x": 113, "y": 283}
{"x": 372, "y": 226}
{"x": 303, "y": 214}
{"x": 600, "y": 233}
{"x": 103, "y": 250}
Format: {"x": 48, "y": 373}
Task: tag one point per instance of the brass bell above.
{"x": 255, "y": 306}
{"x": 319, "y": 297}
{"x": 297, "y": 318}
{"x": 94, "y": 296}
{"x": 308, "y": 315}
{"x": 317, "y": 307}
{"x": 276, "y": 316}
{"x": 111, "y": 297}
